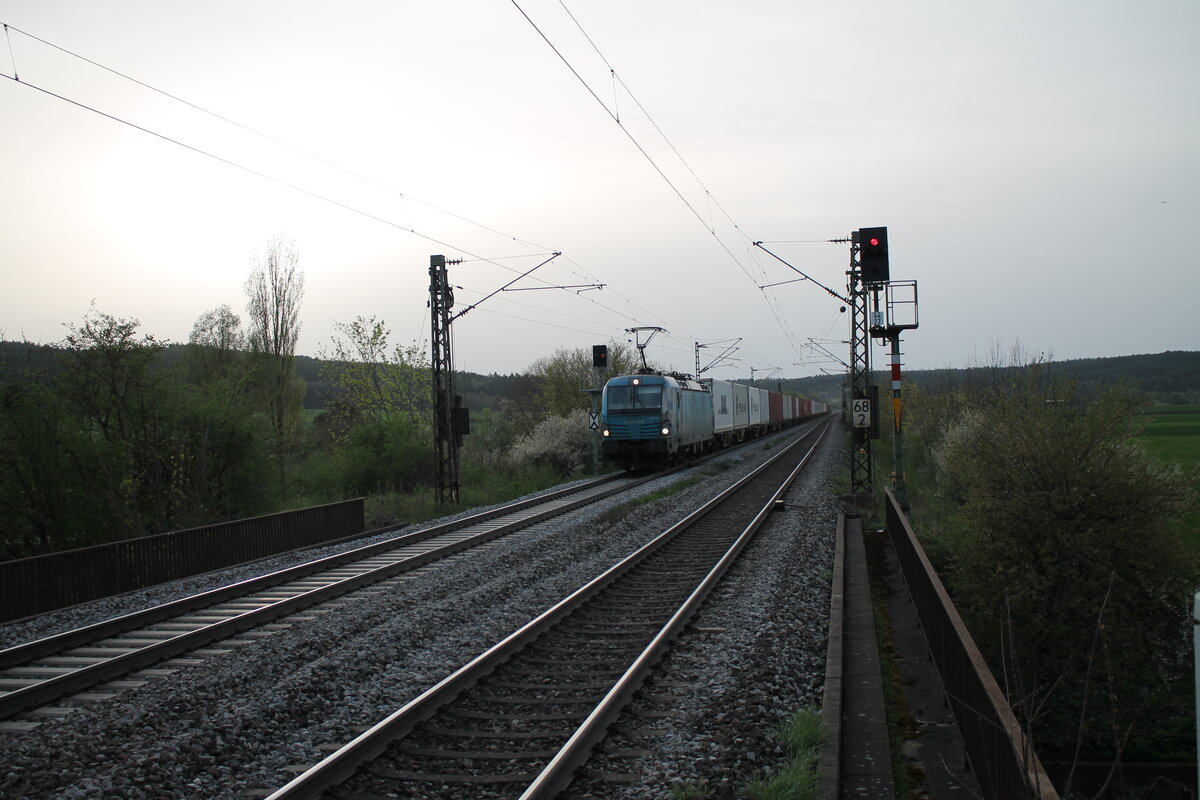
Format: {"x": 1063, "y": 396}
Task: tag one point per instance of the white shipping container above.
{"x": 754, "y": 417}
{"x": 741, "y": 406}
{"x": 722, "y": 399}
{"x": 763, "y": 407}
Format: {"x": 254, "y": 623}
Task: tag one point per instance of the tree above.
{"x": 380, "y": 381}
{"x": 216, "y": 342}
{"x": 274, "y": 291}
{"x": 59, "y": 485}
{"x": 1065, "y": 558}
{"x": 565, "y": 374}
{"x": 113, "y": 387}
{"x": 114, "y": 444}
{"x": 108, "y": 375}
{"x": 375, "y": 437}
{"x": 173, "y": 455}
{"x": 522, "y": 407}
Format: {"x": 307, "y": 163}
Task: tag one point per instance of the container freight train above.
{"x": 653, "y": 418}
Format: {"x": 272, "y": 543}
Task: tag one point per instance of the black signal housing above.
{"x": 873, "y": 255}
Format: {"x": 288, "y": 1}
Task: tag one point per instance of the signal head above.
{"x": 873, "y": 255}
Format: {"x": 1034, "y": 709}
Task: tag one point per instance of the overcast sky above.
{"x": 1036, "y": 164}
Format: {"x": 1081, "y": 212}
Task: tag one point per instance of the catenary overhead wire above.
{"x": 617, "y": 292}
{"x": 541, "y": 322}
{"x": 280, "y": 143}
{"x": 267, "y": 137}
{"x": 632, "y": 139}
{"x": 260, "y": 174}
{"x": 708, "y": 225}
{"x": 324, "y": 161}
{"x": 617, "y": 78}
{"x": 752, "y": 253}
{"x": 346, "y": 206}
{"x": 264, "y": 175}
{"x": 271, "y": 178}
{"x": 242, "y": 167}
{"x": 595, "y": 300}
{"x": 710, "y": 198}
{"x": 681, "y": 349}
{"x": 11, "y": 56}
{"x": 539, "y": 309}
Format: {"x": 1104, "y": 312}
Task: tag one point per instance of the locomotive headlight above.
{"x": 605, "y": 431}
{"x": 666, "y": 429}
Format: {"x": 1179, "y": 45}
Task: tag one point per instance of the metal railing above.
{"x": 1001, "y": 757}
{"x": 43, "y": 583}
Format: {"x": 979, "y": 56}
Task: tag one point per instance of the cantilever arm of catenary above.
{"x": 505, "y": 286}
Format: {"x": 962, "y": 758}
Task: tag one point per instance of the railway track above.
{"x": 519, "y": 719}
{"x": 105, "y": 658}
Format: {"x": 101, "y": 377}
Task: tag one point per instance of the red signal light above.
{"x": 873, "y": 256}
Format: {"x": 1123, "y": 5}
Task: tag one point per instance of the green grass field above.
{"x": 1173, "y": 433}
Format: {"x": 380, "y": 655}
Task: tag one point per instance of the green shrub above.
{"x": 560, "y": 443}
{"x": 377, "y": 457}
{"x": 1060, "y": 537}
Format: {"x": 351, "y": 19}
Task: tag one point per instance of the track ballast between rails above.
{"x": 527, "y": 712}
{"x": 40, "y": 672}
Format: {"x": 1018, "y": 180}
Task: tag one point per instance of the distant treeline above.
{"x": 478, "y": 391}
{"x": 1170, "y": 377}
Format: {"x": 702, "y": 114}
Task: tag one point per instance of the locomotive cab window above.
{"x": 634, "y": 398}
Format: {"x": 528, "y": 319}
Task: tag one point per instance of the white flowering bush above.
{"x": 560, "y": 443}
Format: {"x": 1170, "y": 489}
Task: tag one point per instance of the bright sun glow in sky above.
{"x": 1035, "y": 163}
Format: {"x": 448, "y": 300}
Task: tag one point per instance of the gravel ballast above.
{"x": 753, "y": 655}
{"x": 235, "y": 722}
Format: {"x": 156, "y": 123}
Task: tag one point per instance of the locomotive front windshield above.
{"x": 634, "y": 398}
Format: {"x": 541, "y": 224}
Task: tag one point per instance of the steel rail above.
{"x": 560, "y": 771}
{"x": 341, "y": 764}
{"x": 52, "y": 645}
{"x": 21, "y": 699}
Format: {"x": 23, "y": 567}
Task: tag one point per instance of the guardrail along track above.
{"x": 34, "y": 585}
{"x": 520, "y": 718}
{"x": 43, "y": 671}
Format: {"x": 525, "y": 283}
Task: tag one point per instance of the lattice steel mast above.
{"x": 860, "y": 371}
{"x": 451, "y": 420}
{"x": 446, "y": 442}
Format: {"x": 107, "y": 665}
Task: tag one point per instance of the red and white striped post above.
{"x": 898, "y": 477}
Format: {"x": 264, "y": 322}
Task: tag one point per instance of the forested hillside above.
{"x": 479, "y": 391}
{"x": 1171, "y": 377}
{"x": 113, "y": 434}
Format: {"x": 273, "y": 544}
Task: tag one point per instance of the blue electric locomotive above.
{"x": 651, "y": 419}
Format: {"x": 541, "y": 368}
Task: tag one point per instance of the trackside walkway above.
{"x": 857, "y": 763}
{"x": 856, "y": 760}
